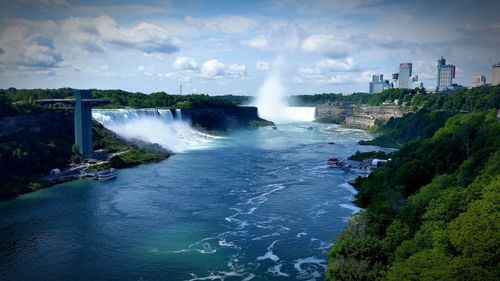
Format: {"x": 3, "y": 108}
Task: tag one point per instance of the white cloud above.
{"x": 148, "y": 71}
{"x": 277, "y": 36}
{"x": 186, "y": 63}
{"x": 325, "y": 45}
{"x": 346, "y": 64}
{"x": 147, "y": 37}
{"x": 55, "y": 2}
{"x": 216, "y": 69}
{"x": 237, "y": 70}
{"x": 262, "y": 65}
{"x": 230, "y": 24}
{"x": 259, "y": 42}
{"x": 23, "y": 47}
{"x": 175, "y": 76}
{"x": 333, "y": 71}
{"x": 100, "y": 34}
{"x": 212, "y": 69}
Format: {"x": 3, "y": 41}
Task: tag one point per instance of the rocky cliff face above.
{"x": 359, "y": 122}
{"x": 358, "y": 116}
{"x": 224, "y": 119}
{"x": 333, "y": 110}
{"x": 379, "y": 112}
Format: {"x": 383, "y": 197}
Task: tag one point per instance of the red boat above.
{"x": 334, "y": 162}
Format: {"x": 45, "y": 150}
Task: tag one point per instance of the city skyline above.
{"x": 224, "y": 47}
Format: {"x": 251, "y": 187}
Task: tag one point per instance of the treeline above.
{"x": 317, "y": 99}
{"x": 432, "y": 213}
{"x": 479, "y": 98}
{"x": 119, "y": 98}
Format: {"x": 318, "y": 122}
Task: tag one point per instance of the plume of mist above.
{"x": 271, "y": 98}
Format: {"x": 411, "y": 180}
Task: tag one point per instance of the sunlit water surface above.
{"x": 256, "y": 205}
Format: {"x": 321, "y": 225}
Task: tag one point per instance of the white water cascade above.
{"x": 271, "y": 102}
{"x": 154, "y": 126}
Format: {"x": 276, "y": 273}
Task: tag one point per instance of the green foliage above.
{"x": 40, "y": 145}
{"x": 432, "y": 211}
{"x": 75, "y": 154}
{"x": 136, "y": 157}
{"x": 331, "y": 119}
{"x": 120, "y": 99}
{"x": 411, "y": 127}
{"x": 317, "y": 99}
{"x": 360, "y": 156}
{"x": 105, "y": 139}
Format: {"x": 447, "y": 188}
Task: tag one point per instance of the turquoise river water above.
{"x": 255, "y": 205}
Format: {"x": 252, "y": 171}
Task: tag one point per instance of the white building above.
{"x": 478, "y": 81}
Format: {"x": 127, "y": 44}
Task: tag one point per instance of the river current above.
{"x": 255, "y": 205}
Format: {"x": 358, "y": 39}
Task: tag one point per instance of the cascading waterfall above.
{"x": 299, "y": 113}
{"x": 153, "y": 125}
{"x": 272, "y": 104}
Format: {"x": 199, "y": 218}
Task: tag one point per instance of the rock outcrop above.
{"x": 224, "y": 119}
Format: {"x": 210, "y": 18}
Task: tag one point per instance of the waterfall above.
{"x": 271, "y": 99}
{"x": 153, "y": 125}
{"x": 299, "y": 114}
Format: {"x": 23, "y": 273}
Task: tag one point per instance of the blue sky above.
{"x": 228, "y": 47}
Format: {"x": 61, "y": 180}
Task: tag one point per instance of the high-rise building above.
{"x": 495, "y": 74}
{"x": 415, "y": 83}
{"x": 478, "y": 81}
{"x": 377, "y": 85}
{"x": 445, "y": 75}
{"x": 404, "y": 75}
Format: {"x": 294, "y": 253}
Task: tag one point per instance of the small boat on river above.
{"x": 107, "y": 174}
{"x": 334, "y": 162}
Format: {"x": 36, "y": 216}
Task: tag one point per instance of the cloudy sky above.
{"x": 229, "y": 47}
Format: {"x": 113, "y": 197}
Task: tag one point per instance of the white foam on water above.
{"x": 276, "y": 271}
{"x": 351, "y": 207}
{"x": 349, "y": 187}
{"x": 265, "y": 236}
{"x": 311, "y": 270}
{"x": 224, "y": 243}
{"x": 221, "y": 275}
{"x": 262, "y": 197}
{"x": 300, "y": 234}
{"x": 269, "y": 254}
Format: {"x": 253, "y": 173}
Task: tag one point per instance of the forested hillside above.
{"x": 433, "y": 213}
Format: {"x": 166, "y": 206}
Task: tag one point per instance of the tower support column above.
{"x": 83, "y": 123}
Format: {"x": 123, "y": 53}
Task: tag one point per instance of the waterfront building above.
{"x": 478, "y": 81}
{"x": 378, "y": 84}
{"x": 404, "y": 75}
{"x": 445, "y": 75}
{"x": 495, "y": 74}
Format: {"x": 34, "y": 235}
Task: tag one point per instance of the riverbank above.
{"x": 419, "y": 207}
{"x": 35, "y": 142}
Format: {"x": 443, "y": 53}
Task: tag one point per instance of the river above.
{"x": 255, "y": 205}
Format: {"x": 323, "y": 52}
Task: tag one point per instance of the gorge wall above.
{"x": 357, "y": 116}
{"x": 224, "y": 119}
